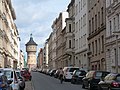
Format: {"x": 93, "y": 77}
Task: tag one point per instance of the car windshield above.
{"x": 118, "y": 78}
{"x": 98, "y": 74}
{"x": 72, "y": 69}
{"x": 9, "y": 74}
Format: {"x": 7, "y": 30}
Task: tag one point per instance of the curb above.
{"x": 32, "y": 85}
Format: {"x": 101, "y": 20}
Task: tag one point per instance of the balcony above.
{"x": 69, "y": 34}
{"x": 69, "y": 50}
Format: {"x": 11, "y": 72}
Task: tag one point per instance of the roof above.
{"x": 31, "y": 41}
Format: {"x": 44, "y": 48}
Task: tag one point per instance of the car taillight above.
{"x": 115, "y": 84}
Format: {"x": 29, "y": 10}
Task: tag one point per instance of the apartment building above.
{"x": 54, "y": 28}
{"x": 50, "y": 52}
{"x": 96, "y": 34}
{"x": 9, "y": 36}
{"x": 40, "y": 58}
{"x": 113, "y": 35}
{"x": 21, "y": 60}
{"x": 70, "y": 35}
{"x": 45, "y": 54}
{"x": 81, "y": 33}
{"x": 59, "y": 37}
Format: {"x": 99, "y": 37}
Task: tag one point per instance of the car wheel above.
{"x": 109, "y": 88}
{"x": 99, "y": 88}
{"x": 89, "y": 87}
{"x": 73, "y": 81}
{"x": 83, "y": 86}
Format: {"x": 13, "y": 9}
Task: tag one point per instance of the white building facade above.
{"x": 112, "y": 39}
{"x": 54, "y": 44}
{"x": 81, "y": 33}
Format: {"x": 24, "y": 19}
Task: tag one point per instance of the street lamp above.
{"x": 116, "y": 33}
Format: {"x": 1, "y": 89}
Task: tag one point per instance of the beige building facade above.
{"x": 9, "y": 36}
{"x": 50, "y": 52}
{"x": 59, "y": 49}
{"x": 40, "y": 63}
{"x": 70, "y": 35}
{"x": 113, "y": 35}
{"x": 21, "y": 60}
{"x": 96, "y": 37}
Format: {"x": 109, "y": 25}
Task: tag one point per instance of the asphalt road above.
{"x": 44, "y": 82}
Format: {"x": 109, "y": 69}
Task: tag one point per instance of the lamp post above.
{"x": 116, "y": 33}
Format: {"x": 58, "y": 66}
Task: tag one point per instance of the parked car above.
{"x": 92, "y": 79}
{"x": 68, "y": 72}
{"x": 110, "y": 82}
{"x": 21, "y": 80}
{"x": 51, "y": 73}
{"x": 77, "y": 77}
{"x": 26, "y": 74}
{"x": 4, "y": 83}
{"x": 12, "y": 77}
{"x": 56, "y": 74}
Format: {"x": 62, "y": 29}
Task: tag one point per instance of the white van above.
{"x": 68, "y": 72}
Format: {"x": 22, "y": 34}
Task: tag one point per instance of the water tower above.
{"x": 31, "y": 49}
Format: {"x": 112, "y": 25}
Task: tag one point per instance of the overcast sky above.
{"x": 36, "y": 17}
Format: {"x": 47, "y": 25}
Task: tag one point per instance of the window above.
{"x": 92, "y": 48}
{"x": 81, "y": 22}
{"x": 76, "y": 9}
{"x": 95, "y": 22}
{"x": 69, "y": 27}
{"x": 79, "y": 6}
{"x": 118, "y": 21}
{"x": 110, "y": 27}
{"x": 102, "y": 16}
{"x": 69, "y": 43}
{"x": 89, "y": 47}
{"x": 99, "y": 45}
{"x": 76, "y": 26}
{"x": 102, "y": 43}
{"x": 92, "y": 25}
{"x": 79, "y": 25}
{"x": 96, "y": 45}
{"x": 89, "y": 26}
{"x": 79, "y": 43}
{"x": 98, "y": 19}
{"x": 114, "y": 24}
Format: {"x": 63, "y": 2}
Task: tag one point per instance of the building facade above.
{"x": 40, "y": 59}
{"x": 9, "y": 36}
{"x": 70, "y": 36}
{"x": 50, "y": 60}
{"x": 81, "y": 33}
{"x": 54, "y": 28}
{"x": 21, "y": 60}
{"x": 60, "y": 26}
{"x": 31, "y": 49}
{"x": 45, "y": 54}
{"x": 96, "y": 34}
{"x": 113, "y": 35}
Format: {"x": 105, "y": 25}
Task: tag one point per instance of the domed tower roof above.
{"x": 31, "y": 41}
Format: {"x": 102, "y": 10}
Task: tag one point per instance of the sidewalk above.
{"x": 29, "y": 85}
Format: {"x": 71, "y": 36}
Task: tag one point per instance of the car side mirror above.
{"x": 21, "y": 79}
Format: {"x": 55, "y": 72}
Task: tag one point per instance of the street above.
{"x": 44, "y": 82}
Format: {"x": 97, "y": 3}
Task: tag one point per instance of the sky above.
{"x": 36, "y": 17}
